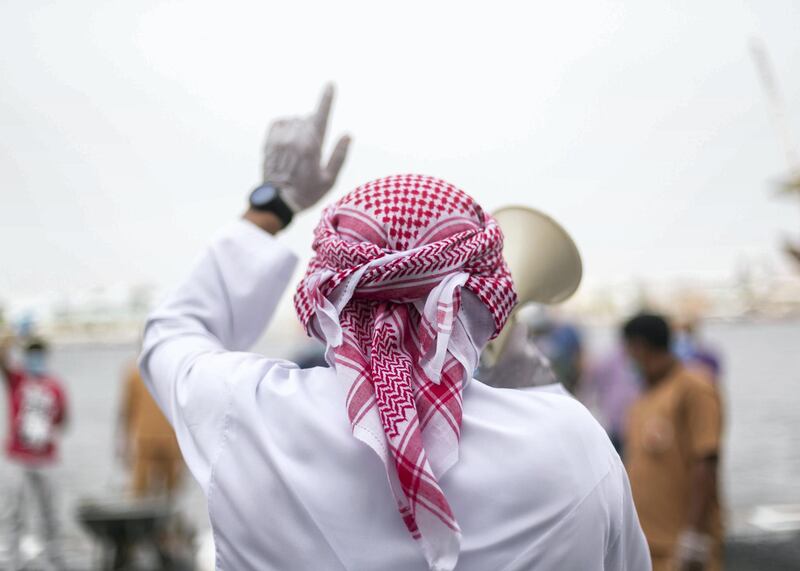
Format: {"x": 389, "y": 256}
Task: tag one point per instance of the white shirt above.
{"x": 537, "y": 486}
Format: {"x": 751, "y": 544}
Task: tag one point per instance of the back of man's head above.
{"x": 650, "y": 330}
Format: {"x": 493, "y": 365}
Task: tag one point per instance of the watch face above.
{"x": 263, "y": 195}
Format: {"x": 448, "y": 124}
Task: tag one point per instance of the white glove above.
{"x": 693, "y": 549}
{"x": 292, "y": 156}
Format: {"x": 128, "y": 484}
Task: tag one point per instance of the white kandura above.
{"x": 537, "y": 486}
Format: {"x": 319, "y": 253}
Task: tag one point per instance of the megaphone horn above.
{"x": 544, "y": 262}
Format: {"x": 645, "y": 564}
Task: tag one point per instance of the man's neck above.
{"x": 662, "y": 370}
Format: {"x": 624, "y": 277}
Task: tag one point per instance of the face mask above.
{"x": 35, "y": 363}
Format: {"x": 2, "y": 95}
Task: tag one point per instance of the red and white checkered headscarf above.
{"x": 384, "y": 292}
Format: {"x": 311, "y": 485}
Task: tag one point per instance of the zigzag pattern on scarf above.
{"x": 391, "y": 376}
{"x": 436, "y": 233}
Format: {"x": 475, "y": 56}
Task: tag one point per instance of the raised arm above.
{"x": 193, "y": 342}
{"x": 224, "y": 305}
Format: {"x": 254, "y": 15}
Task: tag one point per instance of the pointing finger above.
{"x": 320, "y": 117}
{"x": 336, "y": 160}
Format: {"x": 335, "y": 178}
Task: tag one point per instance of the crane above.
{"x": 791, "y": 184}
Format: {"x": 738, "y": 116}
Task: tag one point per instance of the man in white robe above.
{"x": 290, "y": 480}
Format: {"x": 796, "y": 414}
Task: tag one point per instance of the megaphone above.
{"x": 543, "y": 259}
{"x": 545, "y": 263}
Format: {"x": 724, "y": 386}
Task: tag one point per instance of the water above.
{"x": 762, "y": 454}
{"x": 760, "y": 465}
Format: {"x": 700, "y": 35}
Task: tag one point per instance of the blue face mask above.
{"x": 35, "y": 363}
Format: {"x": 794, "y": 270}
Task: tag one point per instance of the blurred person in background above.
{"x": 364, "y": 465}
{"x": 148, "y": 448}
{"x": 673, "y": 442}
{"x": 559, "y": 341}
{"x": 38, "y": 413}
{"x": 147, "y": 442}
{"x": 520, "y": 364}
{"x": 610, "y": 387}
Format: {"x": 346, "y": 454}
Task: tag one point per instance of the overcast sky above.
{"x": 129, "y": 131}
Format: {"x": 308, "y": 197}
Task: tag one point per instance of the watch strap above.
{"x": 281, "y": 210}
{"x": 276, "y": 205}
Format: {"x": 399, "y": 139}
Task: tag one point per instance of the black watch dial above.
{"x": 263, "y": 195}
{"x": 267, "y": 198}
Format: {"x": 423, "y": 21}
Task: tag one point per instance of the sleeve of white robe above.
{"x": 192, "y": 349}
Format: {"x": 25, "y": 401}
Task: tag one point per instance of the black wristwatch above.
{"x": 267, "y": 198}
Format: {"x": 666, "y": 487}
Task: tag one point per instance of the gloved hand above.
{"x": 293, "y": 152}
{"x": 692, "y": 551}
